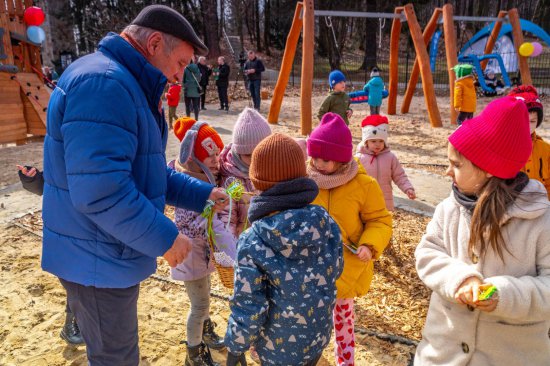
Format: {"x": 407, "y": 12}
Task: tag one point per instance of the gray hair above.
{"x": 141, "y": 35}
{"x": 201, "y": 58}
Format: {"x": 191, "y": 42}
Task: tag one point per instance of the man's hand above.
{"x": 220, "y": 199}
{"x": 179, "y": 250}
{"x": 28, "y": 172}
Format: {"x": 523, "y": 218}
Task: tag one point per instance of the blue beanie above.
{"x": 335, "y": 77}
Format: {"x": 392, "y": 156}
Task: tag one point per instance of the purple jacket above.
{"x": 385, "y": 168}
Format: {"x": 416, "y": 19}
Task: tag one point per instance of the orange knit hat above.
{"x": 278, "y": 158}
{"x": 207, "y": 142}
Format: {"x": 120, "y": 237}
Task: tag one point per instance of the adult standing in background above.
{"x": 222, "y": 82}
{"x": 106, "y": 181}
{"x": 206, "y": 71}
{"x": 192, "y": 89}
{"x": 253, "y": 69}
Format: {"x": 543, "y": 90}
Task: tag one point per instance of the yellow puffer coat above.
{"x": 538, "y": 166}
{"x": 359, "y": 209}
{"x": 465, "y": 94}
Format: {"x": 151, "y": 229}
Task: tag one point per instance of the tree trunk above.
{"x": 371, "y": 43}
{"x": 267, "y": 26}
{"x": 257, "y": 25}
{"x": 211, "y": 36}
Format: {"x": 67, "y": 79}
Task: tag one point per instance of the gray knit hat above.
{"x": 251, "y": 128}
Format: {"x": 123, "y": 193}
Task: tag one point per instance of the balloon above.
{"x": 526, "y": 49}
{"x": 537, "y": 49}
{"x": 36, "y": 34}
{"x": 34, "y": 16}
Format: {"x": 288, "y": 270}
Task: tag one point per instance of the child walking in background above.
{"x": 287, "y": 264}
{"x": 375, "y": 88}
{"x": 173, "y": 99}
{"x": 380, "y": 163}
{"x": 338, "y": 100}
{"x": 199, "y": 157}
{"x": 494, "y": 230}
{"x": 538, "y": 165}
{"x": 464, "y": 93}
{"x": 249, "y": 130}
{"x": 355, "y": 201}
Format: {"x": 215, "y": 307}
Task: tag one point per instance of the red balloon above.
{"x": 34, "y": 16}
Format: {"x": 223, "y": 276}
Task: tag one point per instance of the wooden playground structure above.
{"x": 304, "y": 23}
{"x": 23, "y": 96}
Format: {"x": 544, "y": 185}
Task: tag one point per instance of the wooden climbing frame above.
{"x": 23, "y": 96}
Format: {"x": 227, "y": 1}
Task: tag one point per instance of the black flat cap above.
{"x": 166, "y": 20}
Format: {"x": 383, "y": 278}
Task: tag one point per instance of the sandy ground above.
{"x": 32, "y": 302}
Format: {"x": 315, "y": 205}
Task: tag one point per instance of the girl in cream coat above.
{"x": 455, "y": 260}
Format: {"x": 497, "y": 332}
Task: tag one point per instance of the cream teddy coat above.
{"x": 516, "y": 332}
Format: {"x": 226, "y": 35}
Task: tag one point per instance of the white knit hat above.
{"x": 375, "y": 127}
{"x": 251, "y": 128}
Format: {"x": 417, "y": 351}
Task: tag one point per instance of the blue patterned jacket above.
{"x": 285, "y": 288}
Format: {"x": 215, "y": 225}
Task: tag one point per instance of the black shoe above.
{"x": 209, "y": 336}
{"x": 221, "y": 109}
{"x": 203, "y": 109}
{"x": 199, "y": 356}
{"x": 70, "y": 332}
{"x": 227, "y": 108}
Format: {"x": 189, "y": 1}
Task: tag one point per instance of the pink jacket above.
{"x": 239, "y": 212}
{"x": 385, "y": 168}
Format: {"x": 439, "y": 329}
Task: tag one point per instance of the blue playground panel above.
{"x": 476, "y": 62}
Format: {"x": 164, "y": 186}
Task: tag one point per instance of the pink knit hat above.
{"x": 331, "y": 140}
{"x": 251, "y": 128}
{"x": 498, "y": 139}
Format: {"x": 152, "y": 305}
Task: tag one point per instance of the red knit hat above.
{"x": 331, "y": 140}
{"x": 530, "y": 97}
{"x": 375, "y": 127}
{"x": 498, "y": 140}
{"x": 206, "y": 141}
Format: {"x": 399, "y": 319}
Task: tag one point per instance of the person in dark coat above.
{"x": 206, "y": 71}
{"x": 222, "y": 82}
{"x": 253, "y": 69}
{"x": 106, "y": 181}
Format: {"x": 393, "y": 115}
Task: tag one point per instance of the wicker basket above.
{"x": 226, "y": 273}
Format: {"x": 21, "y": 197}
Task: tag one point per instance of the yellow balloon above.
{"x": 526, "y": 49}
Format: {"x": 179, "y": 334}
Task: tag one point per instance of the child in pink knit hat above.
{"x": 380, "y": 163}
{"x": 250, "y": 129}
{"x": 486, "y": 252}
{"x": 355, "y": 201}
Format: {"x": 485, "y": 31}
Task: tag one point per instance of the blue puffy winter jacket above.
{"x": 374, "y": 88}
{"x": 105, "y": 173}
{"x": 285, "y": 286}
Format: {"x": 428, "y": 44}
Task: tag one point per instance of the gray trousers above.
{"x": 199, "y": 296}
{"x": 107, "y": 318}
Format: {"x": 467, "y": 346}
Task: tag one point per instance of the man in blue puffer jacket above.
{"x": 106, "y": 179}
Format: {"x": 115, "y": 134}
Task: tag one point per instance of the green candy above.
{"x": 488, "y": 293}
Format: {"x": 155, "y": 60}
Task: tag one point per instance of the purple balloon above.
{"x": 538, "y": 49}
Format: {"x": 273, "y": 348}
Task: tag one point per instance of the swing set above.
{"x": 304, "y": 23}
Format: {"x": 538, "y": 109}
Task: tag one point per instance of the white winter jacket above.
{"x": 516, "y": 332}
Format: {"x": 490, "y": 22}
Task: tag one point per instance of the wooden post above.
{"x": 411, "y": 86}
{"x": 308, "y": 41}
{"x": 450, "y": 51}
{"x": 517, "y": 33}
{"x": 286, "y": 65}
{"x": 493, "y": 38}
{"x": 394, "y": 62}
{"x": 424, "y": 61}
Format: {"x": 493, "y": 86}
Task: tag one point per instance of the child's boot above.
{"x": 199, "y": 356}
{"x": 210, "y": 337}
{"x": 70, "y": 332}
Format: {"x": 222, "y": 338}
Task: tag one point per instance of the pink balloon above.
{"x": 538, "y": 49}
